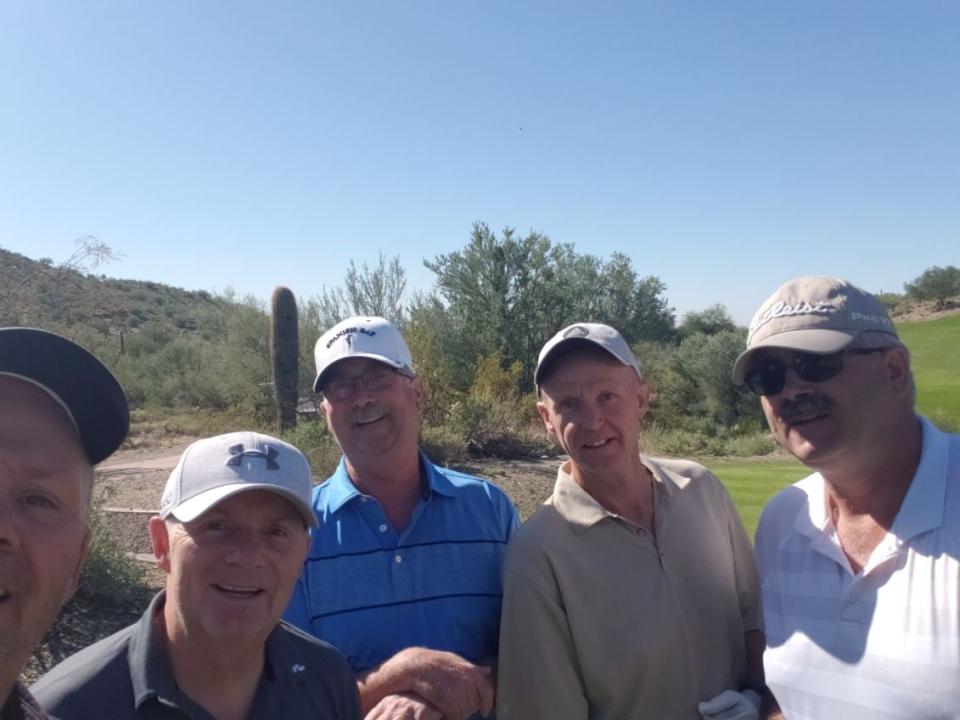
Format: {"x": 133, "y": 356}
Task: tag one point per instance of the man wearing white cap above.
{"x": 403, "y": 575}
{"x": 231, "y": 537}
{"x": 632, "y": 593}
{"x": 61, "y": 413}
{"x": 859, "y": 562}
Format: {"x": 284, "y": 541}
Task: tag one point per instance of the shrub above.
{"x": 109, "y": 573}
{"x": 313, "y": 439}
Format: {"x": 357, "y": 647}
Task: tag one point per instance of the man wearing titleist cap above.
{"x": 231, "y": 536}
{"x": 404, "y": 571}
{"x": 632, "y": 593}
{"x": 61, "y": 413}
{"x": 859, "y": 562}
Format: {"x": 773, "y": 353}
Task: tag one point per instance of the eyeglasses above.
{"x": 342, "y": 388}
{"x": 768, "y": 376}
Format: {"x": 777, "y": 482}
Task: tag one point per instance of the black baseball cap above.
{"x": 76, "y": 379}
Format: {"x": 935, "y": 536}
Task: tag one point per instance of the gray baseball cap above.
{"x": 361, "y": 337}
{"x": 817, "y": 314}
{"x": 75, "y": 379}
{"x": 598, "y": 334}
{"x": 216, "y": 468}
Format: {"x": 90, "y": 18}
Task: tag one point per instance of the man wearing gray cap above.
{"x": 859, "y": 562}
{"x": 404, "y": 572}
{"x": 632, "y": 593}
{"x": 61, "y": 412}
{"x": 231, "y": 537}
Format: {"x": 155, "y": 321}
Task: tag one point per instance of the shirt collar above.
{"x": 580, "y": 509}
{"x": 341, "y": 489}
{"x": 925, "y": 502}
{"x": 150, "y": 673}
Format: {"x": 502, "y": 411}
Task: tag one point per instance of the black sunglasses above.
{"x": 769, "y": 375}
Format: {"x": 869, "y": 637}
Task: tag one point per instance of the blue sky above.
{"x": 723, "y": 146}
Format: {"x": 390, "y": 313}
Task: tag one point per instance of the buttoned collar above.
{"x": 923, "y": 505}
{"x": 341, "y": 489}
{"x": 580, "y": 509}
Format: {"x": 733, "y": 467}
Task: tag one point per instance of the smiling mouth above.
{"x": 593, "y": 445}
{"x": 239, "y": 592}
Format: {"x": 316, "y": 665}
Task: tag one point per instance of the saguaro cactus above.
{"x": 284, "y": 353}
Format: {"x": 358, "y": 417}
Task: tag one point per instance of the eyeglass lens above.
{"x": 768, "y": 377}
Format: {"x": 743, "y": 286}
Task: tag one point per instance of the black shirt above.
{"x": 128, "y": 675}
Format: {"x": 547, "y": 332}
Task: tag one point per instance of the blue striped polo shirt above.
{"x": 372, "y": 592}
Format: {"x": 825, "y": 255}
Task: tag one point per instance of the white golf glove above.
{"x": 731, "y": 705}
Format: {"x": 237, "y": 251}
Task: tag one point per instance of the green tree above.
{"x": 507, "y": 296}
{"x": 935, "y": 283}
{"x": 366, "y": 290}
{"x": 710, "y": 321}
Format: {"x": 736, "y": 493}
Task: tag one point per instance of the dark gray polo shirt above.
{"x": 128, "y": 675}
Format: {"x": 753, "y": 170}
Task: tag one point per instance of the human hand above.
{"x": 454, "y": 686}
{"x": 731, "y": 705}
{"x": 405, "y": 706}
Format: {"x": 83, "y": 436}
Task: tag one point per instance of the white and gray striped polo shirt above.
{"x": 880, "y": 644}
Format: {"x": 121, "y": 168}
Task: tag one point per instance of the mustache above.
{"x": 804, "y": 407}
{"x": 370, "y": 412}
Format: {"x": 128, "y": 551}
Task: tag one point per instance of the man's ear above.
{"x": 419, "y": 392}
{"x": 545, "y": 416}
{"x": 160, "y": 540}
{"x": 643, "y": 397}
{"x": 897, "y": 366}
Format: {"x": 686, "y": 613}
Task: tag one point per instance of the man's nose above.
{"x": 9, "y": 537}
{"x": 793, "y": 385}
{"x": 244, "y": 548}
{"x": 591, "y": 418}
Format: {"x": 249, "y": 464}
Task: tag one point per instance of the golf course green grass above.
{"x": 752, "y": 482}
{"x": 935, "y": 358}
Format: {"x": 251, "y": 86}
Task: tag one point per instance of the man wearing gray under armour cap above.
{"x": 231, "y": 536}
{"x": 860, "y": 561}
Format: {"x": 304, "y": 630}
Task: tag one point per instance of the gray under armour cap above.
{"x": 603, "y": 336}
{"x": 817, "y": 314}
{"x": 216, "y": 468}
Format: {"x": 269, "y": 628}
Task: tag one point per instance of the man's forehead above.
{"x": 593, "y": 372}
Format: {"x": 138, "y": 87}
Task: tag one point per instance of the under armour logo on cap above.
{"x": 238, "y": 451}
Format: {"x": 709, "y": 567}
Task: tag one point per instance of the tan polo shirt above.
{"x": 603, "y": 621}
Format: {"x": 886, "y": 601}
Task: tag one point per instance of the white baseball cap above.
{"x": 820, "y": 315}
{"x": 603, "y": 336}
{"x": 216, "y": 468}
{"x": 361, "y": 337}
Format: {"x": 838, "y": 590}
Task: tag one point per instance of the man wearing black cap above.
{"x": 860, "y": 561}
{"x": 61, "y": 413}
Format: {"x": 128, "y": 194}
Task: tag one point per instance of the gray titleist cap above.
{"x": 598, "y": 334}
{"x": 216, "y": 468}
{"x": 361, "y": 337}
{"x": 820, "y": 315}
